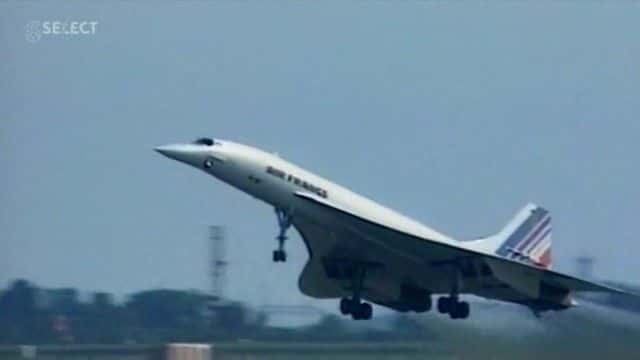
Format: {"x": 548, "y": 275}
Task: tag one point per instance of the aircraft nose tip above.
{"x": 170, "y": 151}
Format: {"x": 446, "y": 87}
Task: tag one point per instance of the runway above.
{"x": 498, "y": 330}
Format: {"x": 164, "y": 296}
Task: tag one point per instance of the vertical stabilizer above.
{"x": 527, "y": 237}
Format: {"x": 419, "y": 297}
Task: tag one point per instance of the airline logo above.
{"x": 297, "y": 181}
{"x": 531, "y": 241}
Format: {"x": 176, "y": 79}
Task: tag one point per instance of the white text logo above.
{"x": 36, "y": 30}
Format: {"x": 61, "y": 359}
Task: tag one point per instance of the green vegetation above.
{"x": 31, "y": 315}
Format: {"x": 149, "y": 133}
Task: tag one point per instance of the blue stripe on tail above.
{"x": 526, "y": 233}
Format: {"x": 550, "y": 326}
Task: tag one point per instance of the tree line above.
{"x": 33, "y": 315}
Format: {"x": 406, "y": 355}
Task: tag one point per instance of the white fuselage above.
{"x": 275, "y": 181}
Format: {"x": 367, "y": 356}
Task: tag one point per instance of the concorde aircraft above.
{"x": 360, "y": 250}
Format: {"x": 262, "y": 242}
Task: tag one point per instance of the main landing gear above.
{"x": 354, "y": 306}
{"x": 357, "y": 309}
{"x": 284, "y": 222}
{"x": 452, "y": 306}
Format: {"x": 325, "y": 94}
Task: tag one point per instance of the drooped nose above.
{"x": 186, "y": 153}
{"x": 172, "y": 151}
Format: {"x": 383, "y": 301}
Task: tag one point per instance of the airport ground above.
{"x": 55, "y": 324}
{"x": 496, "y": 331}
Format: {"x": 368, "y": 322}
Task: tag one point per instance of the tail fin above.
{"x": 527, "y": 237}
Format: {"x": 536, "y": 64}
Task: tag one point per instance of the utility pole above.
{"x": 585, "y": 266}
{"x": 218, "y": 263}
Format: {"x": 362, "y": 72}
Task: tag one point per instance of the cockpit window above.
{"x": 204, "y": 141}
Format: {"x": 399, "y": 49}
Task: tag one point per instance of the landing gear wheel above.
{"x": 361, "y": 311}
{"x": 463, "y": 310}
{"x": 279, "y": 255}
{"x": 456, "y": 309}
{"x": 345, "y": 306}
{"x": 444, "y": 305}
{"x": 366, "y": 311}
{"x": 353, "y": 305}
{"x": 358, "y": 310}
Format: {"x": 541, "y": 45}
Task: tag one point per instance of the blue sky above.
{"x": 453, "y": 113}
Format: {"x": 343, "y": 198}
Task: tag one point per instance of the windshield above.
{"x": 204, "y": 141}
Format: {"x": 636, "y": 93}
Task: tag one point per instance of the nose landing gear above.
{"x": 284, "y": 222}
